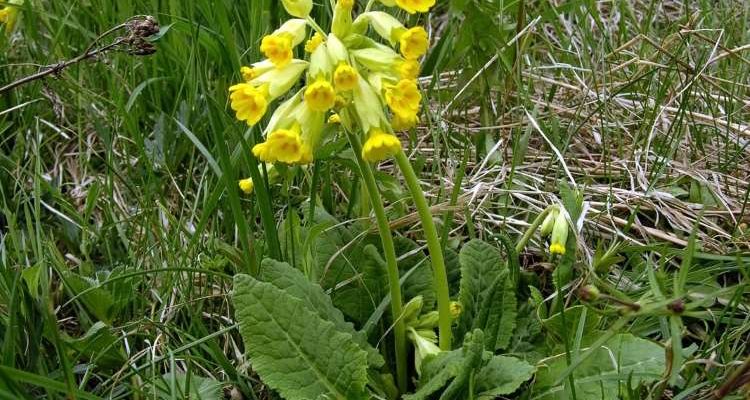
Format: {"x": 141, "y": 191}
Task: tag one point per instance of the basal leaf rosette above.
{"x": 360, "y": 74}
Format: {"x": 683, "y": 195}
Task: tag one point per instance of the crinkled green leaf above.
{"x": 294, "y": 351}
{"x": 487, "y": 295}
{"x": 622, "y": 359}
{"x": 502, "y": 375}
{"x": 294, "y": 282}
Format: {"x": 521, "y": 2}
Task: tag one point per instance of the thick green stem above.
{"x": 433, "y": 246}
{"x": 399, "y": 329}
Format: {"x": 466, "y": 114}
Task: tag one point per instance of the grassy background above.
{"x": 121, "y": 223}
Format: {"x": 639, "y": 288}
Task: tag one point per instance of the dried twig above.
{"x": 138, "y": 29}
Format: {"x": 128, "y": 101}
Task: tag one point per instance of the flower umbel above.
{"x": 380, "y": 145}
{"x": 249, "y": 102}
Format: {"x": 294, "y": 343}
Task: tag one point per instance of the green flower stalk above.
{"x": 440, "y": 276}
{"x": 384, "y": 229}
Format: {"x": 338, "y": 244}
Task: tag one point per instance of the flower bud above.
{"x": 456, "y": 309}
{"x": 385, "y": 25}
{"x": 368, "y": 107}
{"x": 423, "y": 347}
{"x": 589, "y": 293}
{"x": 281, "y": 80}
{"x": 320, "y": 63}
{"x": 559, "y": 234}
{"x": 428, "y": 321}
{"x": 296, "y": 28}
{"x": 379, "y": 58}
{"x": 342, "y": 18}
{"x": 549, "y": 222}
{"x": 337, "y": 52}
{"x": 413, "y": 308}
{"x": 246, "y": 185}
{"x": 298, "y": 8}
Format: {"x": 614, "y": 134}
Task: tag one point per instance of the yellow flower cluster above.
{"x": 362, "y": 83}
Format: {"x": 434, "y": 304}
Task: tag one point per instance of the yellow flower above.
{"x": 404, "y": 122}
{"x": 413, "y": 6}
{"x": 408, "y": 69}
{"x": 246, "y": 185}
{"x": 277, "y": 48}
{"x": 414, "y": 43}
{"x": 314, "y": 42}
{"x": 249, "y": 102}
{"x": 380, "y": 145}
{"x": 284, "y": 145}
{"x": 298, "y": 8}
{"x": 345, "y": 77}
{"x": 559, "y": 234}
{"x": 320, "y": 95}
{"x": 334, "y": 119}
{"x": 9, "y": 15}
{"x": 403, "y": 98}
{"x": 256, "y": 70}
{"x": 346, "y": 3}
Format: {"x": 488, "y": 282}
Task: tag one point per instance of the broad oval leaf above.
{"x": 294, "y": 351}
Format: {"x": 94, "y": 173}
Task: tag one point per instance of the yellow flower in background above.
{"x": 559, "y": 234}
{"x": 345, "y": 77}
{"x": 9, "y": 15}
{"x": 380, "y": 145}
{"x": 404, "y": 123}
{"x": 316, "y": 40}
{"x": 320, "y": 95}
{"x": 246, "y": 185}
{"x": 334, "y": 119}
{"x": 403, "y": 98}
{"x": 414, "y": 43}
{"x": 249, "y": 102}
{"x": 414, "y": 6}
{"x": 409, "y": 69}
{"x": 298, "y": 8}
{"x": 277, "y": 48}
{"x": 284, "y": 145}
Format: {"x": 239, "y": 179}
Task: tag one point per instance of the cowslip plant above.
{"x": 361, "y": 75}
